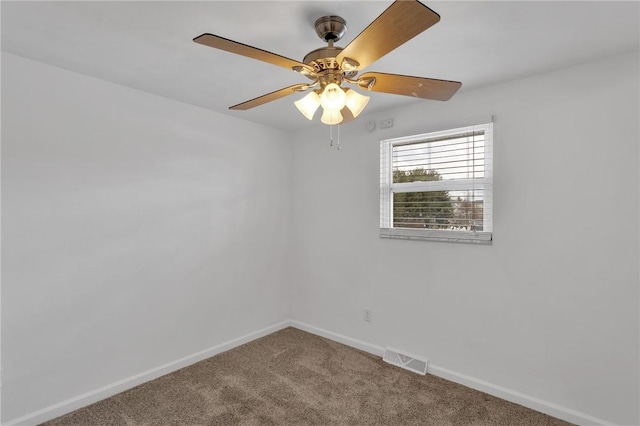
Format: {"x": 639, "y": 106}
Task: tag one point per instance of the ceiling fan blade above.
{"x": 261, "y": 100}
{"x": 402, "y": 21}
{"x": 419, "y": 87}
{"x": 248, "y": 51}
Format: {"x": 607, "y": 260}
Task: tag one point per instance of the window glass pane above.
{"x": 459, "y": 210}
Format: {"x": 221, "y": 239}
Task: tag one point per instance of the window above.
{"x": 438, "y": 186}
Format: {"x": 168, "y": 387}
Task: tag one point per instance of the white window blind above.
{"x": 438, "y": 186}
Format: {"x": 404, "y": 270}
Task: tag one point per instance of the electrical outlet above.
{"x": 385, "y": 124}
{"x": 367, "y": 315}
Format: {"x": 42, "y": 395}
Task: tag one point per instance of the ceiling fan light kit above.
{"x": 331, "y": 67}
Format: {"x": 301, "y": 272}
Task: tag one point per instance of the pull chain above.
{"x": 331, "y": 135}
{"x": 338, "y": 145}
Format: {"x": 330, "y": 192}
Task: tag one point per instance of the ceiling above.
{"x": 147, "y": 45}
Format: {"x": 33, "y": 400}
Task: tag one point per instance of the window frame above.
{"x": 388, "y": 188}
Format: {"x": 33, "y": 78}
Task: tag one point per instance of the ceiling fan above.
{"x": 332, "y": 66}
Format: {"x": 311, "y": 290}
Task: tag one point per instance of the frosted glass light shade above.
{"x": 331, "y": 116}
{"x": 333, "y": 97}
{"x": 355, "y": 102}
{"x": 308, "y": 105}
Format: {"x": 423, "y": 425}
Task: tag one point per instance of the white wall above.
{"x": 136, "y": 231}
{"x": 551, "y": 309}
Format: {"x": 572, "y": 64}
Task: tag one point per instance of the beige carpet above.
{"x": 296, "y": 378}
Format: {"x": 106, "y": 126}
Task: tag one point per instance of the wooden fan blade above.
{"x": 273, "y": 96}
{"x": 402, "y": 21}
{"x": 248, "y": 51}
{"x": 419, "y": 87}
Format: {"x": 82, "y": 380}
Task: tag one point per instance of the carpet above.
{"x": 295, "y": 378}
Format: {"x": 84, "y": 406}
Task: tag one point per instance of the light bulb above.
{"x": 308, "y": 105}
{"x": 331, "y": 116}
{"x": 356, "y": 102}
{"x": 333, "y": 97}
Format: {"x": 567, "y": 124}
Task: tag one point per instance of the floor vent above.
{"x": 406, "y": 361}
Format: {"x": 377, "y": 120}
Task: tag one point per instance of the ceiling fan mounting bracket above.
{"x": 330, "y": 28}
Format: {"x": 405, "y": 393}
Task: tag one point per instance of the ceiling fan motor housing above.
{"x": 323, "y": 59}
{"x": 324, "y": 62}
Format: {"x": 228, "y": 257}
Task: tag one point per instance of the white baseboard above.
{"x": 546, "y": 407}
{"x": 85, "y": 399}
{"x": 358, "y": 344}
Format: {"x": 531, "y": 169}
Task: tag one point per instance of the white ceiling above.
{"x": 148, "y": 45}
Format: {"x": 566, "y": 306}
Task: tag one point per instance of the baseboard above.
{"x": 354, "y": 343}
{"x": 85, "y": 399}
{"x": 545, "y": 407}
{"x": 542, "y": 406}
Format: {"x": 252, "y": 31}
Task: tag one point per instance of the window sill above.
{"x": 464, "y": 237}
